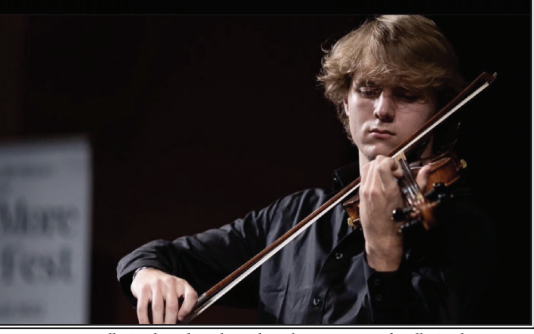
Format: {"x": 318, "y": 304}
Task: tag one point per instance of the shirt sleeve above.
{"x": 204, "y": 259}
{"x": 389, "y": 294}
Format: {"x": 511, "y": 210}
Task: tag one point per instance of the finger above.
{"x": 365, "y": 170}
{"x": 190, "y": 299}
{"x": 422, "y": 176}
{"x": 396, "y": 169}
{"x": 142, "y": 306}
{"x": 388, "y": 171}
{"x": 364, "y": 175}
{"x": 171, "y": 306}
{"x": 158, "y": 306}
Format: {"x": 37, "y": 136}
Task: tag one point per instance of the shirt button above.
{"x": 316, "y": 301}
{"x": 339, "y": 256}
{"x": 376, "y": 282}
{"x": 378, "y": 297}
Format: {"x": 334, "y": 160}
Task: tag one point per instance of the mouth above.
{"x": 381, "y": 133}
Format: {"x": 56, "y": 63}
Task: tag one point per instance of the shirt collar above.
{"x": 345, "y": 175}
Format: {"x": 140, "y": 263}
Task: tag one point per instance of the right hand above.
{"x": 164, "y": 292}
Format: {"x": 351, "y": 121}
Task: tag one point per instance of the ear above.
{"x": 346, "y": 104}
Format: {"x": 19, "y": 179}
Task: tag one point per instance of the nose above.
{"x": 385, "y": 107}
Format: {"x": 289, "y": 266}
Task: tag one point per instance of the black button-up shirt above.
{"x": 322, "y": 277}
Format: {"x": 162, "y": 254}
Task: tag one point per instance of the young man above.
{"x": 387, "y": 78}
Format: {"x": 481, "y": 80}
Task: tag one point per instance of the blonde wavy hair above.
{"x": 409, "y": 49}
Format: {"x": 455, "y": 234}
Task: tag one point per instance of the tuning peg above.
{"x": 400, "y": 214}
{"x": 407, "y": 225}
{"x": 437, "y": 189}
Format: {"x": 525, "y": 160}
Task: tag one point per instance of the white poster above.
{"x": 45, "y": 205}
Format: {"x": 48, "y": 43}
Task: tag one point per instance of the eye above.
{"x": 369, "y": 92}
{"x": 407, "y": 96}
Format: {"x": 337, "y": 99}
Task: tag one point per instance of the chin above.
{"x": 374, "y": 153}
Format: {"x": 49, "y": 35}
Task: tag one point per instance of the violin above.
{"x": 445, "y": 169}
{"x": 420, "y": 208}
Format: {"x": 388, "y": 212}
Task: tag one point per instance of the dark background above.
{"x": 195, "y": 120}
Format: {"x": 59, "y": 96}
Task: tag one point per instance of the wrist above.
{"x": 138, "y": 270}
{"x": 384, "y": 261}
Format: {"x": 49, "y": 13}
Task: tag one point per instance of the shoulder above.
{"x": 307, "y": 197}
{"x": 297, "y": 203}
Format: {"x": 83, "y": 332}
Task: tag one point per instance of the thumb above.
{"x": 422, "y": 177}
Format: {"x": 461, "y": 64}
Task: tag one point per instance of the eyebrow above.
{"x": 365, "y": 82}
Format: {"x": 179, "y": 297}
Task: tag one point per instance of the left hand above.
{"x": 379, "y": 196}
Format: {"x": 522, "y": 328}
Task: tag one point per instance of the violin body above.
{"x": 445, "y": 170}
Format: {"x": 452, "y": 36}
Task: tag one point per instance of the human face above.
{"x": 382, "y": 117}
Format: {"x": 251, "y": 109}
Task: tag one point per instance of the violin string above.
{"x": 414, "y": 193}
